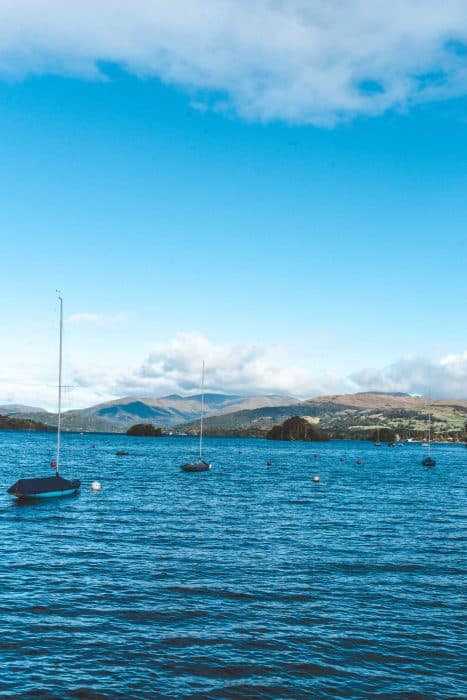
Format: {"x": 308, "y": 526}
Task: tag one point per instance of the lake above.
{"x": 247, "y": 581}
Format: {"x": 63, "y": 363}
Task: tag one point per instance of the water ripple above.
{"x": 246, "y": 582}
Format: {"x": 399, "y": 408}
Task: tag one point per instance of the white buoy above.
{"x": 316, "y": 478}
{"x": 96, "y": 486}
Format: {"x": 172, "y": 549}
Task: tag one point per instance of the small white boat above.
{"x": 199, "y": 465}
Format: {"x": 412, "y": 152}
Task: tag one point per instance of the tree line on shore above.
{"x": 294, "y": 428}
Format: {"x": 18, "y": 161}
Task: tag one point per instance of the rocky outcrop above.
{"x": 297, "y": 428}
{"x": 144, "y": 430}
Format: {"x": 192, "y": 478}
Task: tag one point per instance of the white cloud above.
{"x": 96, "y": 319}
{"x": 309, "y": 61}
{"x": 446, "y": 378}
{"x": 175, "y": 367}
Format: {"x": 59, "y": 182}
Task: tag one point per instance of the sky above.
{"x": 278, "y": 188}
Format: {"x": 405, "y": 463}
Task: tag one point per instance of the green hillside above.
{"x": 350, "y": 416}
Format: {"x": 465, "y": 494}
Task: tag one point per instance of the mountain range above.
{"x": 343, "y": 415}
{"x": 118, "y": 415}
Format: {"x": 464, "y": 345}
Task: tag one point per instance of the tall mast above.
{"x": 429, "y": 433}
{"x": 59, "y": 422}
{"x": 202, "y": 415}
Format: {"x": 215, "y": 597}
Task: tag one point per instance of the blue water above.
{"x": 244, "y": 582}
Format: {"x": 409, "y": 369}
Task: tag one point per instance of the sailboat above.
{"x": 199, "y": 465}
{"x": 378, "y": 441}
{"x": 48, "y": 486}
{"x": 428, "y": 461}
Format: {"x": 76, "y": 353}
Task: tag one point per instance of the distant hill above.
{"x": 8, "y": 423}
{"x": 347, "y": 416}
{"x": 73, "y": 421}
{"x": 342, "y": 415}
{"x": 165, "y": 412}
{"x": 168, "y": 411}
{"x": 12, "y": 409}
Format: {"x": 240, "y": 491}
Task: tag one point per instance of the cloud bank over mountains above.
{"x": 175, "y": 367}
{"x": 314, "y": 62}
{"x": 445, "y": 378}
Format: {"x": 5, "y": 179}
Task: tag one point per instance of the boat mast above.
{"x": 429, "y": 434}
{"x": 202, "y": 414}
{"x": 59, "y": 422}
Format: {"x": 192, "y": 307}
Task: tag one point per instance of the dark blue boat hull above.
{"x": 428, "y": 462}
{"x": 198, "y": 466}
{"x": 44, "y": 487}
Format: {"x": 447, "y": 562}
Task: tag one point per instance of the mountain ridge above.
{"x": 342, "y": 415}
{"x": 348, "y": 416}
{"x": 117, "y": 415}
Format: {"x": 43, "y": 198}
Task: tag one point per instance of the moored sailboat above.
{"x": 199, "y": 465}
{"x": 428, "y": 461}
{"x": 377, "y": 441}
{"x": 49, "y": 486}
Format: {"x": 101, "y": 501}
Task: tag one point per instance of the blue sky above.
{"x": 299, "y": 254}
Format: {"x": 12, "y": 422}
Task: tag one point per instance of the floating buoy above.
{"x": 316, "y": 478}
{"x": 359, "y": 461}
{"x": 96, "y": 486}
{"x": 53, "y": 465}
